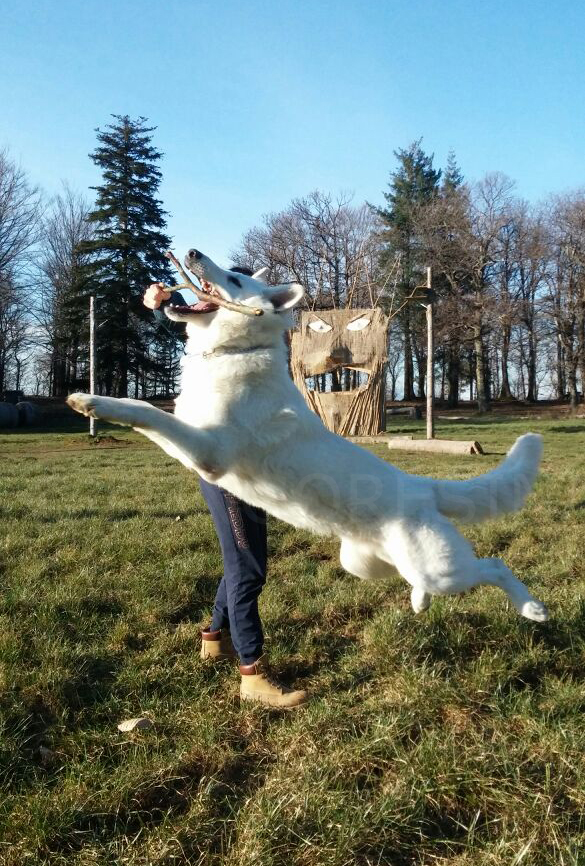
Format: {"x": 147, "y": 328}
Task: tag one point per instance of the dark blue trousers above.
{"x": 241, "y": 530}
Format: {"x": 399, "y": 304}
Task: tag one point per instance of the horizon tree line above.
{"x": 509, "y": 276}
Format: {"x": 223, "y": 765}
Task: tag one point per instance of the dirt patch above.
{"x": 101, "y": 441}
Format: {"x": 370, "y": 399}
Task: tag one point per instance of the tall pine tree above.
{"x": 414, "y": 183}
{"x": 126, "y": 252}
{"x": 452, "y": 176}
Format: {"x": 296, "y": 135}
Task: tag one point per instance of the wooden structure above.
{"x": 443, "y": 446}
{"x": 329, "y": 341}
{"x": 349, "y": 339}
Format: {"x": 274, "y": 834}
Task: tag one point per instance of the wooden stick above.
{"x": 207, "y": 296}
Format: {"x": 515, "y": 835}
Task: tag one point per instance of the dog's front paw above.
{"x": 535, "y": 610}
{"x": 82, "y": 403}
{"x": 420, "y": 600}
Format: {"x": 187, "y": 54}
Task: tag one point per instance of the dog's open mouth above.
{"x": 199, "y": 307}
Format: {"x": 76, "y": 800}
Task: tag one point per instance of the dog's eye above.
{"x": 358, "y": 324}
{"x": 235, "y": 281}
{"x": 320, "y": 326}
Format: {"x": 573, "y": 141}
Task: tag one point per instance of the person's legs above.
{"x": 241, "y": 530}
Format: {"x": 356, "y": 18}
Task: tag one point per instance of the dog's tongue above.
{"x": 203, "y": 307}
{"x": 199, "y": 307}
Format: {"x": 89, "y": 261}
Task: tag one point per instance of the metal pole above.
{"x": 92, "y": 364}
{"x": 430, "y": 364}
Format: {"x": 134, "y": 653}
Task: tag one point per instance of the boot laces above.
{"x": 270, "y": 678}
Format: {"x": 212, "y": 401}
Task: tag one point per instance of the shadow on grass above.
{"x": 236, "y": 777}
{"x": 328, "y": 643}
{"x": 74, "y": 424}
{"x": 197, "y": 604}
{"x": 29, "y": 720}
{"x": 580, "y": 429}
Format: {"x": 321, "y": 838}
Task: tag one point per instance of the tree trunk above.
{"x": 581, "y": 343}
{"x": 480, "y": 378}
{"x": 453, "y": 373}
{"x": 408, "y": 368}
{"x": 560, "y": 364}
{"x": 505, "y": 389}
{"x": 122, "y": 386}
{"x": 572, "y": 377}
{"x": 531, "y": 395}
{"x": 421, "y": 368}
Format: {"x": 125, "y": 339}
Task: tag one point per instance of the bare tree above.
{"x": 565, "y": 301}
{"x": 323, "y": 242}
{"x": 20, "y": 216}
{"x": 61, "y": 310}
{"x": 463, "y": 231}
{"x": 14, "y": 335}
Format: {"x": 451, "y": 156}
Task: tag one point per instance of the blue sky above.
{"x": 258, "y": 102}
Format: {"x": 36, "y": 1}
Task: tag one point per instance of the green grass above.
{"x": 456, "y": 737}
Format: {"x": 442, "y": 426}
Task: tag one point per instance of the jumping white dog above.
{"x": 241, "y": 422}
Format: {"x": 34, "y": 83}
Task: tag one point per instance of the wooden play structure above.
{"x": 354, "y": 341}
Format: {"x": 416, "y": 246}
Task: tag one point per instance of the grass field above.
{"x": 456, "y": 737}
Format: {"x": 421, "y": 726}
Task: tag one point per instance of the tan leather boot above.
{"x": 259, "y": 686}
{"x": 217, "y": 646}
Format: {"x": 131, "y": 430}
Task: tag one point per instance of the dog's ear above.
{"x": 260, "y": 275}
{"x": 285, "y": 296}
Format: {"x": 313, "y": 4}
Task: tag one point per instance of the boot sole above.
{"x": 259, "y": 702}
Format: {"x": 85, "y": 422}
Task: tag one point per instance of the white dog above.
{"x": 241, "y": 422}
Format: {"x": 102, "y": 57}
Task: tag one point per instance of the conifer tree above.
{"x": 126, "y": 252}
{"x": 452, "y": 176}
{"x": 414, "y": 183}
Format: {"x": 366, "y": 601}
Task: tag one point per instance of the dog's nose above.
{"x": 194, "y": 254}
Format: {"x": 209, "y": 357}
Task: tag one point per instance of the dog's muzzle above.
{"x": 193, "y": 262}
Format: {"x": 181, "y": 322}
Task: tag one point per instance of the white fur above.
{"x": 241, "y": 422}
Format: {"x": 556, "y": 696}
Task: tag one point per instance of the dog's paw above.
{"x": 535, "y": 610}
{"x": 82, "y": 403}
{"x": 420, "y": 600}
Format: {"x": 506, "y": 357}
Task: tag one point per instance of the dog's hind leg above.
{"x": 496, "y": 573}
{"x": 196, "y": 449}
{"x": 436, "y": 559}
{"x": 359, "y": 559}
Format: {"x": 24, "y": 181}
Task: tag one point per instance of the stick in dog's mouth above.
{"x": 205, "y": 305}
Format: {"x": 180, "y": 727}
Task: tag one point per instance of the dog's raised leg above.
{"x": 196, "y": 449}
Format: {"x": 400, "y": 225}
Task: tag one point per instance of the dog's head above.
{"x": 214, "y": 325}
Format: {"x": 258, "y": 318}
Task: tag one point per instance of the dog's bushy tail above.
{"x": 504, "y": 489}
